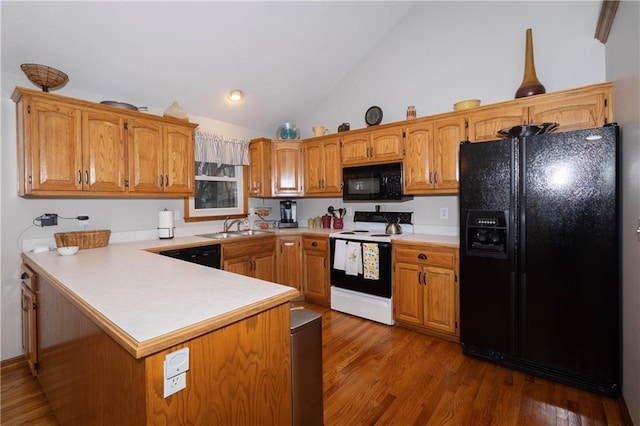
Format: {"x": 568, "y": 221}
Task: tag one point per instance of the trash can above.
{"x": 306, "y": 367}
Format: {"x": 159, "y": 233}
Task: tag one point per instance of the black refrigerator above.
{"x": 539, "y": 255}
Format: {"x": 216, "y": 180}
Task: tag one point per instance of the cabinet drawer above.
{"x": 315, "y": 243}
{"x": 426, "y": 256}
{"x": 28, "y": 277}
{"x": 248, "y": 248}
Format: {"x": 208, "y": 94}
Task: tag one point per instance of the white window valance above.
{"x": 213, "y": 148}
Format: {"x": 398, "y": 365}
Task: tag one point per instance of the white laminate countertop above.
{"x": 149, "y": 296}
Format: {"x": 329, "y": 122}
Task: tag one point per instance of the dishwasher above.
{"x": 208, "y": 255}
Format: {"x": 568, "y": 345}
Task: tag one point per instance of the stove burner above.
{"x": 381, "y": 235}
{"x": 347, "y": 233}
{"x": 364, "y": 231}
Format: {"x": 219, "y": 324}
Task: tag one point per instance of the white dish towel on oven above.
{"x": 340, "y": 255}
{"x": 354, "y": 258}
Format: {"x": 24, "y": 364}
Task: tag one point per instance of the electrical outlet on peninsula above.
{"x": 444, "y": 213}
{"x": 176, "y": 365}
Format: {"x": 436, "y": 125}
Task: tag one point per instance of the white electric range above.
{"x": 366, "y": 289}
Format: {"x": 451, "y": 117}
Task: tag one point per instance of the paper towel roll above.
{"x": 165, "y": 224}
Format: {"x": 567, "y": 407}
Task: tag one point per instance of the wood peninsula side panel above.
{"x": 239, "y": 374}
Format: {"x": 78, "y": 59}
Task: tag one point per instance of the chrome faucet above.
{"x": 230, "y": 224}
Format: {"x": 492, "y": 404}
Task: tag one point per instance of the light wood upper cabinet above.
{"x": 375, "y": 146}
{"x": 431, "y": 157}
{"x": 145, "y": 156}
{"x": 161, "y": 158}
{"x": 259, "y": 174}
{"x": 275, "y": 168}
{"x": 576, "y": 109}
{"x": 286, "y": 169}
{"x": 104, "y": 164}
{"x": 73, "y": 148}
{"x": 322, "y": 167}
{"x": 484, "y": 125}
{"x": 178, "y": 159}
{"x": 573, "y": 112}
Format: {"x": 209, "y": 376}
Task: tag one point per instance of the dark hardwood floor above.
{"x": 380, "y": 375}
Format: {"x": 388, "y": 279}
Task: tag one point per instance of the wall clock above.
{"x": 373, "y": 116}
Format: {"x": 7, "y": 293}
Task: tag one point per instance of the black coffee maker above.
{"x": 288, "y": 217}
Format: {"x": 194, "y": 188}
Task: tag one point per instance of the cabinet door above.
{"x": 447, "y": 135}
{"x": 572, "y": 112}
{"x": 313, "y": 167}
{"x": 418, "y": 173}
{"x": 259, "y": 171}
{"x": 264, "y": 266}
{"x": 286, "y": 166}
{"x": 239, "y": 265}
{"x": 55, "y": 147}
{"x": 316, "y": 276}
{"x": 408, "y": 293}
{"x": 178, "y": 160}
{"x": 289, "y": 261}
{"x": 439, "y": 299}
{"x": 104, "y": 165}
{"x": 386, "y": 144}
{"x": 484, "y": 124}
{"x": 356, "y": 149}
{"x": 146, "y": 172}
{"x": 29, "y": 327}
{"x": 332, "y": 180}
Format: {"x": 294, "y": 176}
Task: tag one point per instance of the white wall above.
{"x": 623, "y": 68}
{"x": 443, "y": 52}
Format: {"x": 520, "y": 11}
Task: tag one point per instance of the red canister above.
{"x": 326, "y": 221}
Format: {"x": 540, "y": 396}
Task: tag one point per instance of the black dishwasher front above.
{"x": 202, "y": 255}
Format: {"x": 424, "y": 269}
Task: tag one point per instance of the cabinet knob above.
{"x": 24, "y": 276}
{"x": 314, "y": 244}
{"x": 422, "y": 256}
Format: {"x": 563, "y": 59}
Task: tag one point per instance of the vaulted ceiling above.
{"x": 285, "y": 56}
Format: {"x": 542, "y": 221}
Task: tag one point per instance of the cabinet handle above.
{"x": 422, "y": 256}
{"x": 435, "y": 177}
{"x": 80, "y": 176}
{"x": 424, "y": 278}
{"x": 86, "y": 177}
{"x": 430, "y": 177}
{"x": 161, "y": 181}
{"x": 166, "y": 181}
{"x": 419, "y": 277}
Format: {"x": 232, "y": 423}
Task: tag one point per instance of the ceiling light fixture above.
{"x": 235, "y": 95}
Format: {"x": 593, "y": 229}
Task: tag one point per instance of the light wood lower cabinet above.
{"x": 315, "y": 261}
{"x": 29, "y": 290}
{"x": 426, "y": 291}
{"x": 289, "y": 260}
{"x": 255, "y": 257}
{"x": 89, "y": 378}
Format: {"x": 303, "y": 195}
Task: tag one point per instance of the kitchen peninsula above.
{"x": 108, "y": 317}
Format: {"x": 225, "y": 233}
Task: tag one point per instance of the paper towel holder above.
{"x": 165, "y": 227}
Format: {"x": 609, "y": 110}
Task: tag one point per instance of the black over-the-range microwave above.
{"x": 373, "y": 182}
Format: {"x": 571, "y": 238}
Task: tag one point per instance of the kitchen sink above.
{"x": 232, "y": 234}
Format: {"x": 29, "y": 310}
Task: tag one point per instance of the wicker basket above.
{"x": 83, "y": 239}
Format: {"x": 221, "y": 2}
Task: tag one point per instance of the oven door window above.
{"x": 380, "y": 287}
